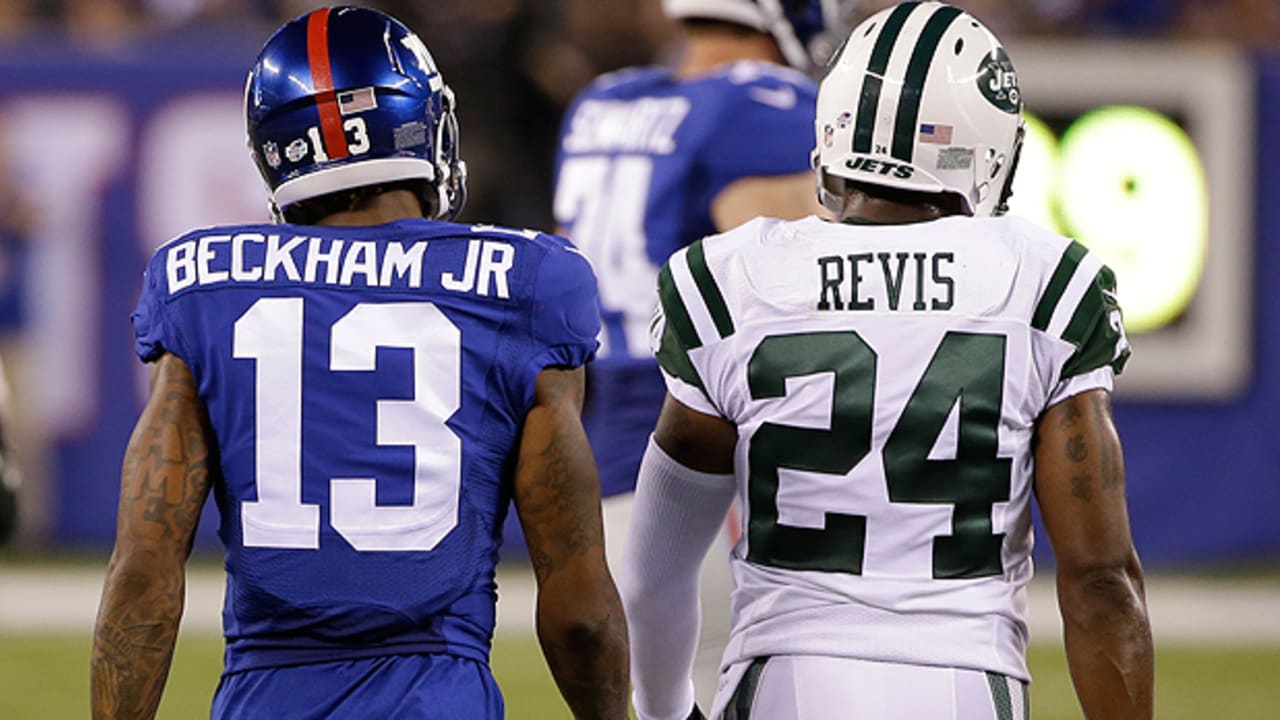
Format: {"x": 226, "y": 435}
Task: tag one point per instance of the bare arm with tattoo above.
{"x": 557, "y": 494}
{"x": 1080, "y": 489}
{"x": 163, "y": 486}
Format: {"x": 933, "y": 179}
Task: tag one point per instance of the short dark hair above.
{"x": 312, "y": 210}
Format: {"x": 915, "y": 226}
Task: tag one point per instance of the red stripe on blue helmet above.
{"x": 335, "y": 140}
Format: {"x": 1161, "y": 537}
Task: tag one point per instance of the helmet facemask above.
{"x": 451, "y": 171}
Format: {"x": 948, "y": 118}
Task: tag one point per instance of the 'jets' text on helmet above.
{"x": 346, "y": 97}
{"x": 922, "y": 97}
{"x": 806, "y": 30}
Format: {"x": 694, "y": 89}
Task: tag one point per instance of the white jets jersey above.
{"x": 885, "y": 381}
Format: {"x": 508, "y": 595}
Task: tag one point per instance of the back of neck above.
{"x": 378, "y": 209}
{"x": 861, "y": 209}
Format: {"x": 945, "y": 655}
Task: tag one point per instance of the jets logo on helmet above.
{"x": 355, "y": 99}
{"x": 934, "y": 96}
{"x": 806, "y": 30}
{"x": 998, "y": 81}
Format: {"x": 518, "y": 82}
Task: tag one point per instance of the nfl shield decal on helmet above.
{"x": 271, "y": 153}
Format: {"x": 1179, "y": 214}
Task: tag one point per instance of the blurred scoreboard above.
{"x": 1145, "y": 154}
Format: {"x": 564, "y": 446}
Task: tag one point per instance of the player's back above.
{"x": 885, "y": 382}
{"x": 366, "y": 386}
{"x": 642, "y": 156}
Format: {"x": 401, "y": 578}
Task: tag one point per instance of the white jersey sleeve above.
{"x": 693, "y": 314}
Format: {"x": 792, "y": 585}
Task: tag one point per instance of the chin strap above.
{"x": 1006, "y": 192}
{"x": 451, "y": 172}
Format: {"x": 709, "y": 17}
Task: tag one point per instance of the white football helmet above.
{"x": 921, "y": 97}
{"x": 806, "y": 30}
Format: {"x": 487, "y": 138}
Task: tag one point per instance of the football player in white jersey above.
{"x": 883, "y": 396}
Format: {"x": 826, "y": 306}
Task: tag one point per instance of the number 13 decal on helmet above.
{"x": 357, "y": 144}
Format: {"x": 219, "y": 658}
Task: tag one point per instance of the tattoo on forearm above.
{"x": 133, "y": 647}
{"x": 591, "y": 673}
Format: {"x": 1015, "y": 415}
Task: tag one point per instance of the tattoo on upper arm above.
{"x": 550, "y": 511}
{"x": 1108, "y": 465}
{"x": 1077, "y": 451}
{"x": 1111, "y": 460}
{"x": 167, "y": 468}
{"x": 1082, "y": 487}
{"x": 1070, "y": 414}
{"x": 558, "y": 510}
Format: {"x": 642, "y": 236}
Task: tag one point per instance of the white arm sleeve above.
{"x": 676, "y": 517}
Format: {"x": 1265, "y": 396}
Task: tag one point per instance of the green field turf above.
{"x": 46, "y": 678}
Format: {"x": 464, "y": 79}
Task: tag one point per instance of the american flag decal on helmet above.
{"x": 936, "y": 134}
{"x": 357, "y": 101}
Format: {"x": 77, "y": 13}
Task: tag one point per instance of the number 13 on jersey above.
{"x": 270, "y": 333}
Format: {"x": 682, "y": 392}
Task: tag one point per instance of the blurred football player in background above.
{"x": 23, "y": 443}
{"x": 364, "y": 389}
{"x": 651, "y": 159}
{"x": 10, "y": 479}
{"x": 884, "y": 395}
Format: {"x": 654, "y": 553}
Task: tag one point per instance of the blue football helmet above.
{"x": 346, "y": 97}
{"x": 807, "y": 31}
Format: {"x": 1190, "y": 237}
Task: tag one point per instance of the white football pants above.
{"x": 809, "y": 687}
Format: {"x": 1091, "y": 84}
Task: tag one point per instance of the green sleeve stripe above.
{"x": 1098, "y": 342}
{"x": 677, "y": 315}
{"x": 1071, "y": 258}
{"x": 709, "y": 289}
{"x": 678, "y": 334}
{"x": 1088, "y": 312}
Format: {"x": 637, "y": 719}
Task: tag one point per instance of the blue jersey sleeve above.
{"x": 566, "y": 316}
{"x": 151, "y": 332}
{"x": 765, "y": 128}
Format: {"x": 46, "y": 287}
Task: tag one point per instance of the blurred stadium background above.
{"x": 1157, "y": 143}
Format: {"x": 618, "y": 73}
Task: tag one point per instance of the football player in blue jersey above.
{"x": 651, "y": 159}
{"x": 363, "y": 388}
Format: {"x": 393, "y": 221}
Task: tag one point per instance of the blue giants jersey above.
{"x": 642, "y": 155}
{"x": 366, "y": 386}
